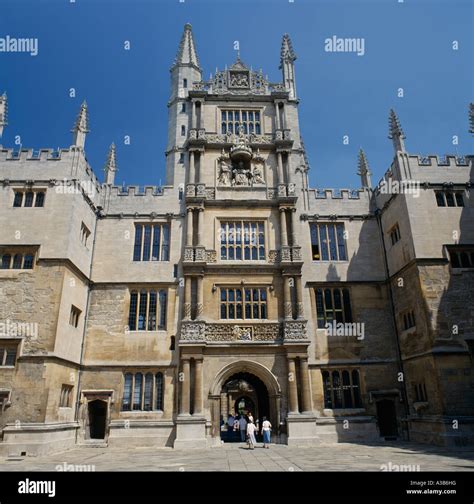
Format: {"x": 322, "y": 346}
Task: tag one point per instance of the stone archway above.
{"x": 244, "y": 368}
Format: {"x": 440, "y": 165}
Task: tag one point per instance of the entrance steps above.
{"x": 93, "y": 443}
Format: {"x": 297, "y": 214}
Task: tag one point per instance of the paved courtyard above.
{"x": 235, "y": 457}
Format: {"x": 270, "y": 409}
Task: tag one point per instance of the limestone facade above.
{"x": 149, "y": 314}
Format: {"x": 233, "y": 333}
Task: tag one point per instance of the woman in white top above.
{"x": 266, "y": 431}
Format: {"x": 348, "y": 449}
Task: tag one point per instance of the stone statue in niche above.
{"x": 257, "y": 175}
{"x": 241, "y": 174}
{"x": 225, "y": 174}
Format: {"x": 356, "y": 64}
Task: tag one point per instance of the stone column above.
{"x": 200, "y": 229}
{"x": 200, "y": 297}
{"x": 277, "y": 115}
{"x": 299, "y": 298}
{"x": 191, "y": 168}
{"x": 287, "y": 298}
{"x": 198, "y": 387}
{"x": 281, "y": 179}
{"x": 201, "y": 166}
{"x": 283, "y": 230}
{"x": 305, "y": 387}
{"x": 189, "y": 227}
{"x": 187, "y": 298}
{"x": 292, "y": 391}
{"x": 294, "y": 239}
{"x": 193, "y": 114}
{"x": 185, "y": 381}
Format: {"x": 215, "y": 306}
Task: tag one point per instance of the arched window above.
{"x": 17, "y": 202}
{"x": 6, "y": 261}
{"x": 336, "y": 385}
{"x": 29, "y": 199}
{"x": 163, "y": 304}
{"x": 148, "y": 395}
{"x": 28, "y": 261}
{"x": 356, "y": 389}
{"x": 346, "y": 389}
{"x": 39, "y": 200}
{"x": 172, "y": 343}
{"x": 127, "y": 392}
{"x": 159, "y": 391}
{"x": 137, "y": 392}
{"x": 327, "y": 390}
{"x": 17, "y": 260}
{"x": 183, "y": 130}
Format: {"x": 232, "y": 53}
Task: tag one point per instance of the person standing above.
{"x": 230, "y": 427}
{"x": 243, "y": 428}
{"x": 266, "y": 432}
{"x": 251, "y": 435}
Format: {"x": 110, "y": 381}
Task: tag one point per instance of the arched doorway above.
{"x": 240, "y": 388}
{"x": 243, "y": 394}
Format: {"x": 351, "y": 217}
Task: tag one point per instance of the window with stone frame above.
{"x": 143, "y": 391}
{"x": 328, "y": 241}
{"x": 242, "y": 240}
{"x": 341, "y": 388}
{"x": 461, "y": 256}
{"x": 14, "y": 259}
{"x": 420, "y": 392}
{"x": 28, "y": 199}
{"x": 394, "y": 234}
{"x": 408, "y": 320}
{"x": 74, "y": 316}
{"x": 245, "y": 303}
{"x": 147, "y": 310}
{"x": 332, "y": 304}
{"x": 449, "y": 198}
{"x": 248, "y": 120}
{"x": 8, "y": 353}
{"x": 152, "y": 242}
{"x": 65, "y": 399}
{"x": 84, "y": 235}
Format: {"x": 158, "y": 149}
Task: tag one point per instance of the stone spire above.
{"x": 471, "y": 118}
{"x": 364, "y": 171}
{"x": 287, "y": 66}
{"x": 81, "y": 127}
{"x": 395, "y": 132}
{"x": 3, "y": 113}
{"x": 187, "y": 54}
{"x": 110, "y": 167}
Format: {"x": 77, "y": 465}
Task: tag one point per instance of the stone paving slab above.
{"x": 235, "y": 457}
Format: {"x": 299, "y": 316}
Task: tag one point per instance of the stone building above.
{"x": 143, "y": 317}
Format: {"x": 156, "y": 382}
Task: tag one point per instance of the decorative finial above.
{"x": 287, "y": 53}
{"x": 111, "y": 165}
{"x": 395, "y": 132}
{"x": 81, "y": 127}
{"x": 364, "y": 171}
{"x": 3, "y": 113}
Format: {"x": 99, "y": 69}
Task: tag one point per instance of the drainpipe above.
{"x": 86, "y": 315}
{"x": 394, "y": 319}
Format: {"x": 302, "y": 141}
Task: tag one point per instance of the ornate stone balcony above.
{"x": 198, "y": 331}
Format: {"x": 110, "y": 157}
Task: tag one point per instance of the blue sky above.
{"x": 81, "y": 45}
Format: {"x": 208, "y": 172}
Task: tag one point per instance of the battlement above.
{"x": 121, "y": 191}
{"x": 448, "y": 160}
{"x": 344, "y": 194}
{"x": 47, "y": 156}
